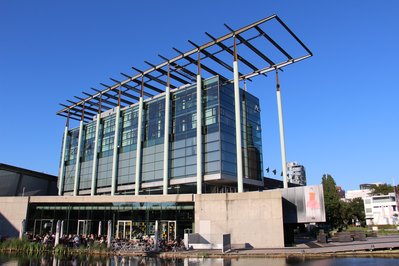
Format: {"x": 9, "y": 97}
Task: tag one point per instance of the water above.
{"x": 13, "y": 260}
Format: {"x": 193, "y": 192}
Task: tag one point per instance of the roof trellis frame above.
{"x": 181, "y": 69}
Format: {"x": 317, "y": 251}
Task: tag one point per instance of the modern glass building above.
{"x": 219, "y": 167}
{"x": 168, "y": 144}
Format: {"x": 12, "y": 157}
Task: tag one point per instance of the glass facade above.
{"x": 218, "y": 139}
{"x": 128, "y": 219}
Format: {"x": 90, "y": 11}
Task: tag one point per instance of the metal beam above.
{"x": 195, "y": 62}
{"x": 182, "y": 81}
{"x": 191, "y": 75}
{"x": 264, "y": 34}
{"x": 124, "y": 93}
{"x": 250, "y": 46}
{"x": 293, "y": 35}
{"x": 227, "y": 49}
{"x": 86, "y": 107}
{"x": 151, "y": 77}
{"x": 112, "y": 105}
{"x": 115, "y": 97}
{"x": 147, "y": 85}
{"x": 135, "y": 89}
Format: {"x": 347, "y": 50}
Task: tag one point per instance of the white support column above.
{"x": 199, "y": 134}
{"x": 138, "y": 149}
{"x": 237, "y": 105}
{"x": 95, "y": 157}
{"x": 62, "y": 168}
{"x": 166, "y": 142}
{"x": 281, "y": 127}
{"x": 57, "y": 233}
{"x": 115, "y": 154}
{"x": 77, "y": 165}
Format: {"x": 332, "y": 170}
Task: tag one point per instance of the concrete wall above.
{"x": 252, "y": 218}
{"x": 12, "y": 211}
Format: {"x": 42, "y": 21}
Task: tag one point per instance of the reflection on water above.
{"x": 11, "y": 260}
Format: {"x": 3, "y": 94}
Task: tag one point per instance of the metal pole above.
{"x": 63, "y": 159}
{"x": 240, "y": 185}
{"x": 77, "y": 165}
{"x": 245, "y": 132}
{"x": 199, "y": 128}
{"x": 281, "y": 127}
{"x": 166, "y": 137}
{"x": 115, "y": 155}
{"x": 139, "y": 132}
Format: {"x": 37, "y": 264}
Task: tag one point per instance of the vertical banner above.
{"x": 312, "y": 203}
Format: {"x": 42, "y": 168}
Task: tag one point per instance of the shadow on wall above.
{"x": 6, "y": 228}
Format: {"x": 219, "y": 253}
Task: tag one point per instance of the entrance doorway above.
{"x": 84, "y": 227}
{"x": 124, "y": 230}
{"x": 168, "y": 230}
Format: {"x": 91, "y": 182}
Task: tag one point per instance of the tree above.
{"x": 382, "y": 189}
{"x": 333, "y": 205}
{"x": 353, "y": 210}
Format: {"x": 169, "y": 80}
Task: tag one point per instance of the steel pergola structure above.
{"x": 181, "y": 69}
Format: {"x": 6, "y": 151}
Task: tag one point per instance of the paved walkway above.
{"x": 371, "y": 244}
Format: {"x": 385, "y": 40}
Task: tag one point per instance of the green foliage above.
{"x": 332, "y": 202}
{"x": 340, "y": 214}
{"x": 24, "y": 245}
{"x": 353, "y": 210}
{"x": 382, "y": 189}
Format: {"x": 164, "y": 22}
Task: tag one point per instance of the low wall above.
{"x": 254, "y": 219}
{"x": 12, "y": 211}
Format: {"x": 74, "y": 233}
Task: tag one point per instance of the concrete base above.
{"x": 253, "y": 219}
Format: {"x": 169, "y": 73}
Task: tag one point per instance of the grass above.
{"x": 25, "y": 246}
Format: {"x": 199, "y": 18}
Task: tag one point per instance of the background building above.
{"x": 16, "y": 181}
{"x": 357, "y": 193}
{"x": 381, "y": 210}
{"x": 296, "y": 173}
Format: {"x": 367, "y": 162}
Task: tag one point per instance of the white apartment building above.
{"x": 357, "y": 193}
{"x": 381, "y": 210}
{"x": 296, "y": 173}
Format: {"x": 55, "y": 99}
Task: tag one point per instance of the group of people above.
{"x": 143, "y": 243}
{"x": 73, "y": 241}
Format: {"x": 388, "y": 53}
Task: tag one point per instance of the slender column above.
{"x": 166, "y": 139}
{"x": 95, "y": 156}
{"x": 109, "y": 233}
{"x": 281, "y": 127}
{"x": 77, "y": 165}
{"x": 240, "y": 185}
{"x": 57, "y": 233}
{"x": 199, "y": 128}
{"x": 63, "y": 159}
{"x": 115, "y": 155}
{"x": 138, "y": 149}
{"x": 246, "y": 139}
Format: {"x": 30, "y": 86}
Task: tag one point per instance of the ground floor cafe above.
{"x": 253, "y": 219}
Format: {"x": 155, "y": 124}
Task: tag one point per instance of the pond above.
{"x": 10, "y": 260}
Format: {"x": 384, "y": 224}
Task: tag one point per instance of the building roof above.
{"x": 28, "y": 172}
{"x": 208, "y": 59}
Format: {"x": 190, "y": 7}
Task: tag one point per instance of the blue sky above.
{"x": 340, "y": 106}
